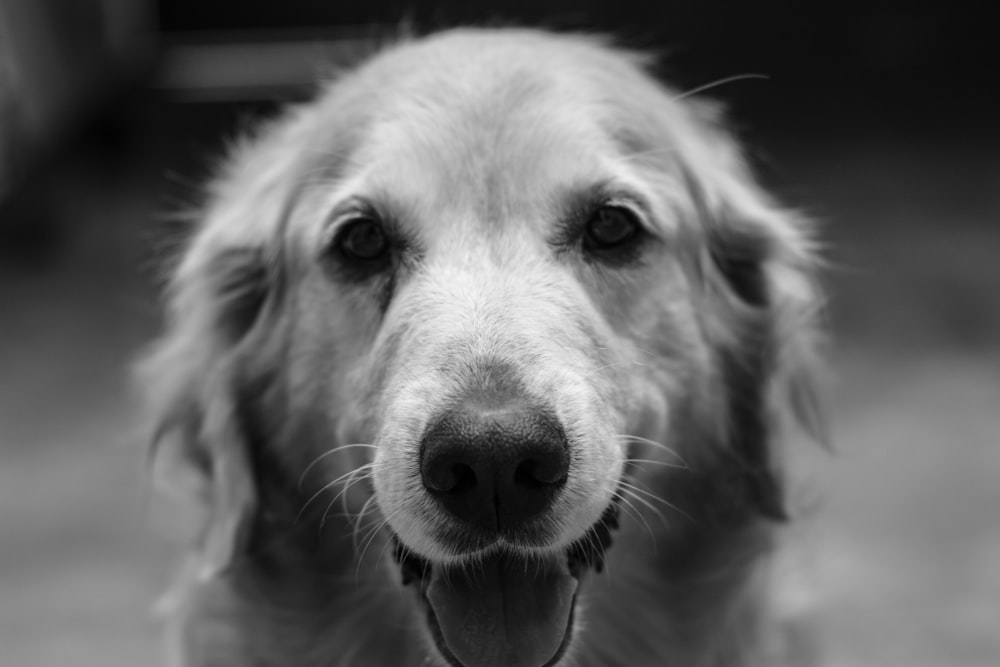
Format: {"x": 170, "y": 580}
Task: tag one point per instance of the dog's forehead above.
{"x": 487, "y": 127}
{"x": 455, "y": 135}
{"x": 502, "y": 153}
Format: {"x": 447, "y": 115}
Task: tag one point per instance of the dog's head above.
{"x": 482, "y": 293}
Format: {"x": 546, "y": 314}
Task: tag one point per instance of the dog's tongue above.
{"x": 504, "y": 613}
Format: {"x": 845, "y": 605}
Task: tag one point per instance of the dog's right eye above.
{"x": 612, "y": 235}
{"x": 360, "y": 249}
{"x": 610, "y": 227}
{"x": 363, "y": 240}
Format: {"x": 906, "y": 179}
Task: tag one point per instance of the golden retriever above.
{"x": 482, "y": 358}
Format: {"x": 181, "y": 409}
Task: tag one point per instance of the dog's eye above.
{"x": 610, "y": 227}
{"x": 363, "y": 239}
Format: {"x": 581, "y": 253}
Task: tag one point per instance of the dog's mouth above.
{"x": 506, "y": 610}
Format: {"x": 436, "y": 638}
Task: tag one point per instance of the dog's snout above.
{"x": 495, "y": 467}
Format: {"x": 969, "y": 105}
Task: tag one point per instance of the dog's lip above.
{"x": 586, "y": 553}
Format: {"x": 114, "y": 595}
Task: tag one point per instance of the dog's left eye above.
{"x": 610, "y": 227}
{"x": 363, "y": 239}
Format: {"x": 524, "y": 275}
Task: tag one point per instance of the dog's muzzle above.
{"x": 496, "y": 465}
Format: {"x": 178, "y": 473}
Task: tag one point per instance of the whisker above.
{"x": 631, "y": 510}
{"x": 356, "y": 522}
{"x": 680, "y": 466}
{"x": 648, "y": 505}
{"x": 720, "y": 82}
{"x": 327, "y": 453}
{"x": 372, "y": 531}
{"x": 329, "y": 485}
{"x": 351, "y": 481}
{"x": 653, "y": 443}
{"x": 637, "y": 489}
{"x": 368, "y": 542}
{"x": 389, "y": 543}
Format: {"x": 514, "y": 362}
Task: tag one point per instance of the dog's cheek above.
{"x": 398, "y": 488}
{"x": 402, "y": 501}
{"x": 594, "y": 427}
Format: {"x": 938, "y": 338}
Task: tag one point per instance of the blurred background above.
{"x": 879, "y": 119}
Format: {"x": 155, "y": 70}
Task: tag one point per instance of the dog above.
{"x": 485, "y": 358}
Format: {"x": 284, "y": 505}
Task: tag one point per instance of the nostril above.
{"x": 463, "y": 478}
{"x": 534, "y": 473}
{"x": 449, "y": 476}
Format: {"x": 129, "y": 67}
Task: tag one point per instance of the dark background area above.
{"x": 870, "y": 58}
{"x": 879, "y": 119}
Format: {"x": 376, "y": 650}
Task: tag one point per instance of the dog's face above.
{"x": 515, "y": 273}
{"x": 492, "y": 293}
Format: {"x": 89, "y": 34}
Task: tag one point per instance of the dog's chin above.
{"x": 506, "y": 608}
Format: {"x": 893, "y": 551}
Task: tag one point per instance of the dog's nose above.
{"x": 495, "y": 466}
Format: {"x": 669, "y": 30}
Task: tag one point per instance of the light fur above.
{"x": 476, "y": 142}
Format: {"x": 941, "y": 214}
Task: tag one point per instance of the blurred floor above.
{"x": 905, "y": 544}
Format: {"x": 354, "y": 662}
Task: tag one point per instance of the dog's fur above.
{"x": 672, "y": 369}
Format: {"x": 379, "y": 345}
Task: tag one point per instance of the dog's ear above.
{"x": 199, "y": 452}
{"x": 223, "y": 303}
{"x": 757, "y": 264}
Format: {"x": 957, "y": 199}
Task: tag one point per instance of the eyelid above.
{"x": 346, "y": 212}
{"x": 349, "y": 210}
{"x": 634, "y": 204}
{"x": 573, "y": 225}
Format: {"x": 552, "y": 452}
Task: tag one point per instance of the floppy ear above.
{"x": 757, "y": 265}
{"x": 199, "y": 453}
{"x": 223, "y": 298}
